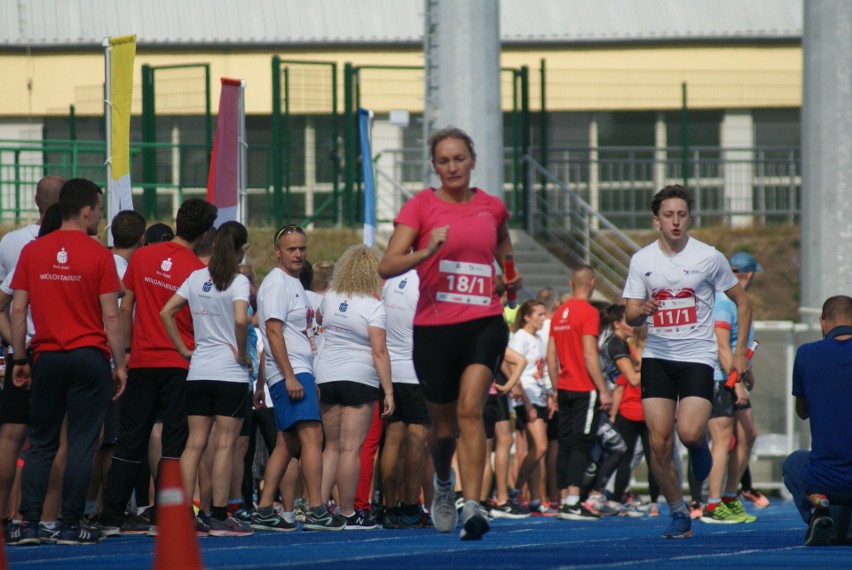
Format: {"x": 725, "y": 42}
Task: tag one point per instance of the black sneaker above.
{"x": 243, "y": 515}
{"x": 509, "y": 510}
{"x": 577, "y": 512}
{"x": 267, "y": 519}
{"x": 48, "y": 534}
{"x": 389, "y": 517}
{"x": 77, "y": 534}
{"x": 21, "y": 534}
{"x": 322, "y": 519}
{"x": 820, "y": 527}
{"x": 133, "y": 524}
{"x": 411, "y": 516}
{"x": 359, "y": 520}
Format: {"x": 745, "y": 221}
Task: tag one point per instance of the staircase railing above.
{"x": 568, "y": 226}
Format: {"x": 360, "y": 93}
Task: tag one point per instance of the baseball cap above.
{"x": 742, "y": 262}
{"x": 157, "y": 233}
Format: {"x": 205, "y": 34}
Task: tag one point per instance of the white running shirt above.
{"x": 283, "y": 298}
{"x": 682, "y": 328}
{"x": 400, "y": 295}
{"x": 346, "y": 351}
{"x": 213, "y": 325}
{"x": 532, "y": 378}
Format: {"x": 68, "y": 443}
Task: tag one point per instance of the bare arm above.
{"x": 723, "y": 342}
{"x": 504, "y": 248}
{"x": 591, "y": 356}
{"x": 381, "y": 360}
{"x": 5, "y": 321}
{"x": 116, "y": 339}
{"x": 167, "y": 314}
{"x": 275, "y": 336}
{"x": 553, "y": 365}
{"x": 398, "y": 257}
{"x": 259, "y": 393}
{"x": 21, "y": 373}
{"x": 627, "y": 368}
{"x": 241, "y": 325}
{"x": 513, "y": 367}
{"x": 637, "y": 311}
{"x": 617, "y": 395}
{"x": 738, "y": 295}
{"x": 128, "y": 302}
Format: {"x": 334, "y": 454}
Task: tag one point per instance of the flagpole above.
{"x": 108, "y": 123}
{"x": 242, "y": 204}
{"x": 365, "y": 117}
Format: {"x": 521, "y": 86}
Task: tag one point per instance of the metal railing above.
{"x": 569, "y": 226}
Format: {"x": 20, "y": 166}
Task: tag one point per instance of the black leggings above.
{"x": 262, "y": 419}
{"x": 631, "y": 431}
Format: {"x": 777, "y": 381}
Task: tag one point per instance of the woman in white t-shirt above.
{"x": 351, "y": 367}
{"x": 528, "y": 321}
{"x": 219, "y": 367}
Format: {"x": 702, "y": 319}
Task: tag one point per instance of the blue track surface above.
{"x": 775, "y": 540}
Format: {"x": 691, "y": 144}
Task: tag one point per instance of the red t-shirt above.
{"x": 65, "y": 273}
{"x": 571, "y": 321}
{"x": 631, "y": 401}
{"x": 457, "y": 283}
{"x": 154, "y": 274}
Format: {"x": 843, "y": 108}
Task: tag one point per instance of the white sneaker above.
{"x": 445, "y": 517}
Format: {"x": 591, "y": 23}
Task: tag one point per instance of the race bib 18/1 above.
{"x": 465, "y": 283}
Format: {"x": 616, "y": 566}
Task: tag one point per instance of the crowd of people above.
{"x": 388, "y": 389}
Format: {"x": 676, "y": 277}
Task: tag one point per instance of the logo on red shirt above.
{"x": 167, "y": 264}
{"x": 62, "y": 256}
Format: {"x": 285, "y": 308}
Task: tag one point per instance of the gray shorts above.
{"x": 723, "y": 401}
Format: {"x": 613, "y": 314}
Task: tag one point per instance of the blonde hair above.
{"x": 357, "y": 272}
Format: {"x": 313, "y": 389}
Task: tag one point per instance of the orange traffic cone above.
{"x": 177, "y": 546}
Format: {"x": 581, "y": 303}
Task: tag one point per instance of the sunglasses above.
{"x": 288, "y": 229}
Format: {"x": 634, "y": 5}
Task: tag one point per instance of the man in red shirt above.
{"x": 70, "y": 283}
{"x": 157, "y": 372}
{"x": 575, "y": 372}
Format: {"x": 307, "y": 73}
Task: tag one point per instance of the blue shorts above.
{"x": 289, "y": 412}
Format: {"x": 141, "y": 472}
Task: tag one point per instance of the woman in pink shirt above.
{"x": 452, "y": 235}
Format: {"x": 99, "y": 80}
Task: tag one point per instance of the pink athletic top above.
{"x": 457, "y": 283}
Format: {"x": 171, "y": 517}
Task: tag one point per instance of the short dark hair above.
{"x": 127, "y": 227}
{"x": 194, "y": 218}
{"x": 673, "y": 191}
{"x": 75, "y": 195}
{"x": 837, "y": 309}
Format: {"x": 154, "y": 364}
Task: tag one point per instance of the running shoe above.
{"x": 654, "y": 511}
{"x": 243, "y": 514}
{"x": 630, "y": 510}
{"x": 76, "y": 535}
{"x": 681, "y": 527}
{"x": 696, "y": 511}
{"x": 474, "y": 522}
{"x": 720, "y": 514}
{"x": 359, "y": 520}
{"x": 820, "y": 527}
{"x": 701, "y": 461}
{"x": 322, "y": 519}
{"x": 459, "y": 501}
{"x": 602, "y": 506}
{"x": 760, "y": 501}
{"x": 267, "y": 518}
{"x": 48, "y": 532}
{"x": 737, "y": 508}
{"x": 578, "y": 512}
{"x": 201, "y": 521}
{"x": 133, "y": 524}
{"x": 411, "y": 516}
{"x": 21, "y": 534}
{"x": 389, "y": 517}
{"x": 443, "y": 511}
{"x": 509, "y": 510}
{"x": 229, "y": 527}
{"x": 539, "y": 509}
